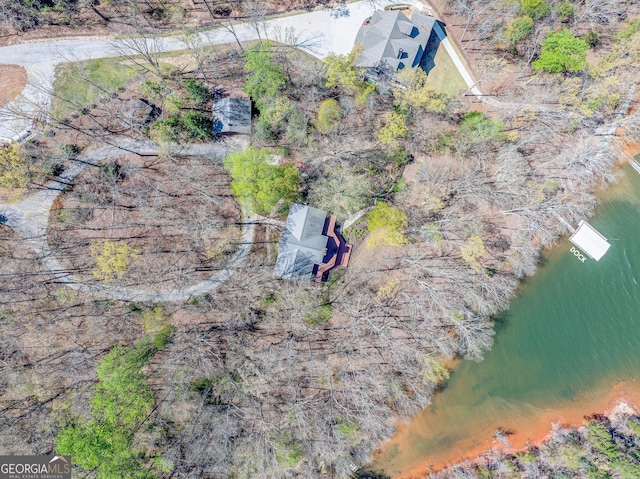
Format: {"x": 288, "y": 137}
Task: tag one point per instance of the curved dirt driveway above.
{"x": 29, "y": 219}
{"x": 322, "y": 30}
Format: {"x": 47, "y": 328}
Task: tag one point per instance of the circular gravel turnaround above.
{"x": 29, "y": 219}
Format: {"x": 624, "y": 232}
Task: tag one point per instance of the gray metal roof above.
{"x": 391, "y": 41}
{"x": 302, "y": 244}
{"x": 232, "y": 115}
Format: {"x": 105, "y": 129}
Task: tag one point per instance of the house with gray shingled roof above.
{"x": 390, "y": 41}
{"x": 232, "y": 115}
{"x": 310, "y": 245}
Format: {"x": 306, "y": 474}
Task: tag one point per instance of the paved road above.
{"x": 324, "y": 31}
{"x": 29, "y": 219}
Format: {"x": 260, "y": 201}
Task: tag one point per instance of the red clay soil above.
{"x": 632, "y": 147}
{"x": 530, "y": 431}
{"x": 13, "y": 79}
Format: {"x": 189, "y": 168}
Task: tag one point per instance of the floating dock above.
{"x": 589, "y": 240}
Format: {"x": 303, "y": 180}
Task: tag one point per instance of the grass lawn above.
{"x": 444, "y": 76}
{"x": 84, "y": 83}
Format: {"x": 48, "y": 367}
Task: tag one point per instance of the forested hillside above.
{"x": 450, "y": 201}
{"x": 604, "y": 447}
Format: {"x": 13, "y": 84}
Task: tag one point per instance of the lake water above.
{"x": 569, "y": 346}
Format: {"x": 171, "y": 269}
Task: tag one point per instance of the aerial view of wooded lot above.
{"x": 248, "y": 238}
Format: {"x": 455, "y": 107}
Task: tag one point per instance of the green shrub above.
{"x": 346, "y": 428}
{"x": 257, "y": 183}
{"x": 565, "y": 11}
{"x": 289, "y": 458}
{"x": 104, "y": 304}
{"x": 399, "y": 157}
{"x": 265, "y": 79}
{"x": 319, "y": 315}
{"x": 479, "y": 127}
{"x": 201, "y": 386}
{"x": 270, "y": 298}
{"x": 198, "y": 125}
{"x": 551, "y": 184}
{"x": 288, "y": 452}
{"x": 634, "y": 427}
{"x": 400, "y": 186}
{"x": 161, "y": 338}
{"x": 199, "y": 299}
{"x": 64, "y": 295}
{"x": 197, "y": 91}
{"x": 68, "y": 152}
{"x": 110, "y": 171}
{"x": 535, "y": 8}
{"x": 265, "y": 132}
{"x": 601, "y": 440}
{"x": 122, "y": 400}
{"x": 393, "y": 128}
{"x": 519, "y": 29}
{"x": 167, "y": 130}
{"x": 219, "y": 390}
{"x": 562, "y": 52}
{"x": 386, "y": 226}
{"x": 328, "y": 116}
{"x": 74, "y": 215}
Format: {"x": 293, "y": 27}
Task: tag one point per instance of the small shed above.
{"x": 232, "y": 115}
{"x": 589, "y": 240}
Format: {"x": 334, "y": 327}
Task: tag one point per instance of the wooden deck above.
{"x": 338, "y": 251}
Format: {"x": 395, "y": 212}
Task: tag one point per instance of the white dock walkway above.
{"x": 590, "y": 240}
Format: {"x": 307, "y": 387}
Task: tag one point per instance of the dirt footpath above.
{"x": 13, "y": 79}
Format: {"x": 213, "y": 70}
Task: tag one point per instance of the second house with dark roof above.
{"x": 390, "y": 41}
